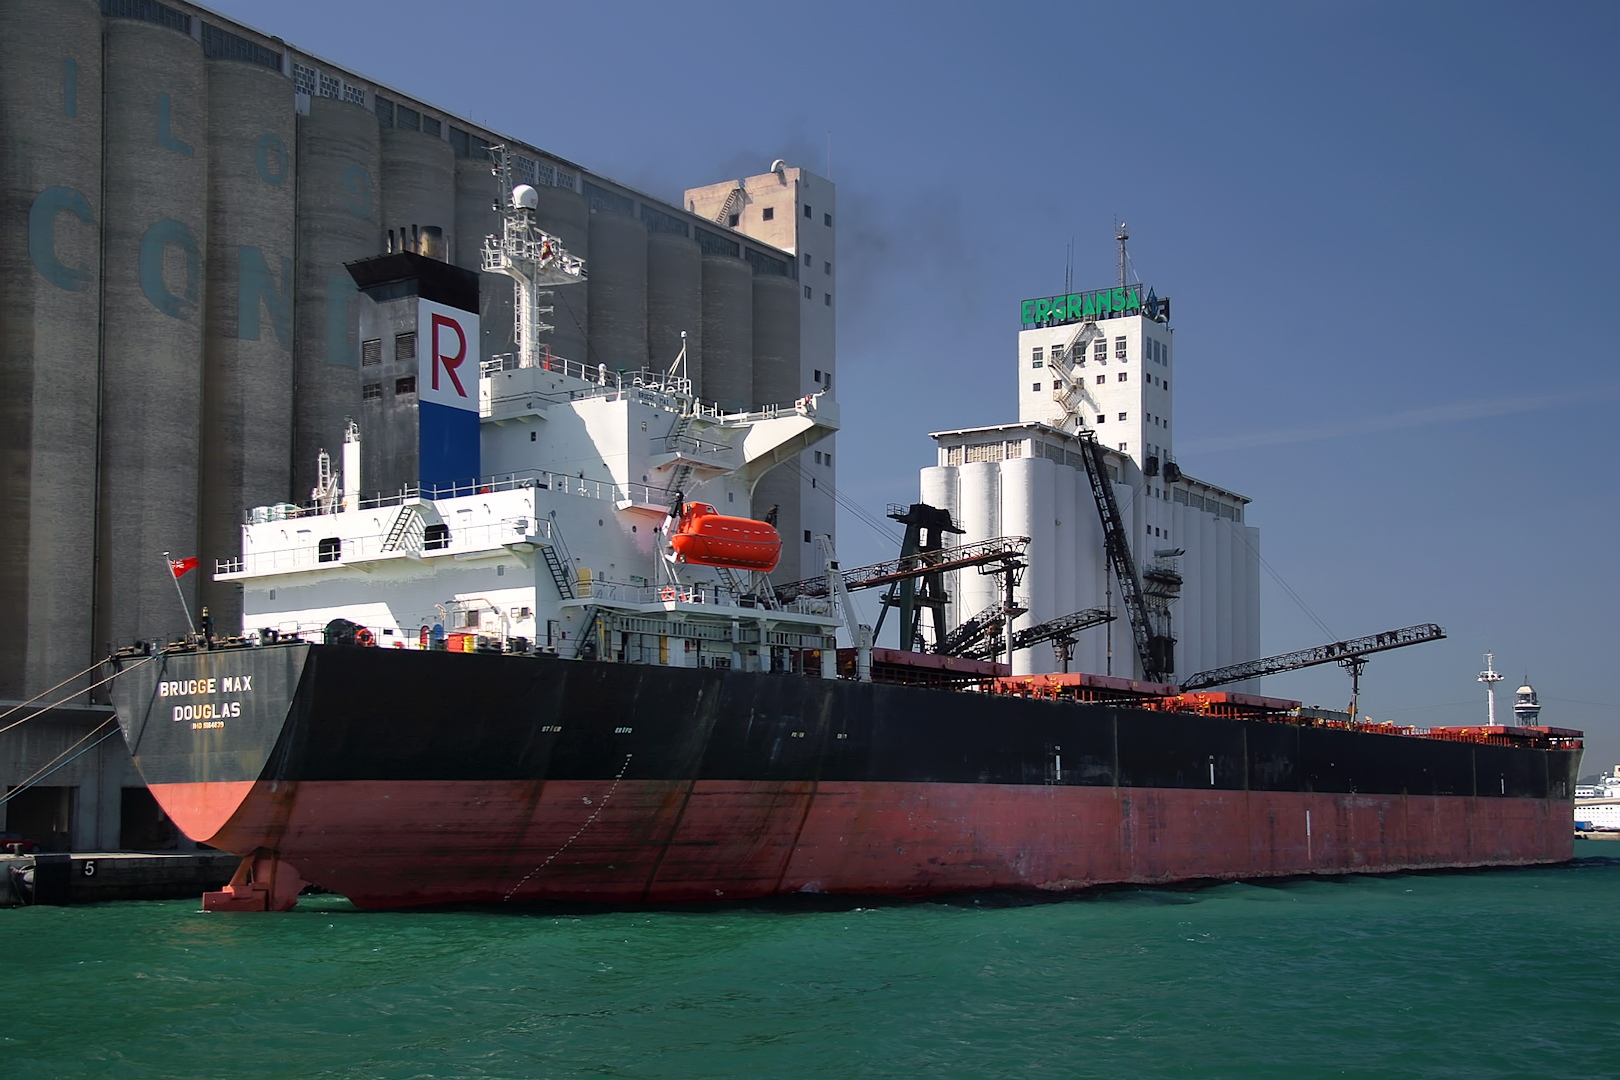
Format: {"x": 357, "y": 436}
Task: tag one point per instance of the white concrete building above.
{"x": 1103, "y": 362}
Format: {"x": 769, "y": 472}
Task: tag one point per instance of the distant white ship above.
{"x": 1597, "y": 806}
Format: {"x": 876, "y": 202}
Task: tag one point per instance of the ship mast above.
{"x": 1490, "y": 678}
{"x": 534, "y": 260}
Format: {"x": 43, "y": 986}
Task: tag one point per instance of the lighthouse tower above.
{"x": 1526, "y": 709}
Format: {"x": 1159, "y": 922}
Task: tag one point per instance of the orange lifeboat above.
{"x": 704, "y": 537}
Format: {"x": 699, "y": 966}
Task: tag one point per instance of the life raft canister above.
{"x": 704, "y": 537}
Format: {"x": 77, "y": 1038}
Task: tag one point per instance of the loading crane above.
{"x": 1008, "y": 551}
{"x": 1062, "y": 632}
{"x": 1351, "y": 655}
{"x": 1155, "y": 647}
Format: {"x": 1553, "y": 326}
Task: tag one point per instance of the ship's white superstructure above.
{"x": 561, "y": 544}
{"x": 1597, "y": 806}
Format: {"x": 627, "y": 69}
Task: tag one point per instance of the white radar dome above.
{"x": 525, "y": 196}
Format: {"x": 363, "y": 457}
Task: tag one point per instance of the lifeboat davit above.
{"x": 704, "y": 537}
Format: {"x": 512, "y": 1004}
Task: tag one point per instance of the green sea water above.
{"x": 1503, "y": 973}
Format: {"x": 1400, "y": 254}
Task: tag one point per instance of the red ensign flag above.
{"x": 180, "y": 566}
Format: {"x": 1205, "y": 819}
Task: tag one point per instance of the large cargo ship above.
{"x": 534, "y": 670}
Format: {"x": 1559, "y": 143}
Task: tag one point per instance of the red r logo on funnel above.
{"x": 450, "y": 362}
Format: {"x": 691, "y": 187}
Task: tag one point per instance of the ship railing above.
{"x": 706, "y": 594}
{"x": 600, "y": 375}
{"x": 542, "y": 479}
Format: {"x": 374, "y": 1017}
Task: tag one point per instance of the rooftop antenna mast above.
{"x": 1490, "y": 678}
{"x": 1068, "y": 269}
{"x": 1122, "y": 234}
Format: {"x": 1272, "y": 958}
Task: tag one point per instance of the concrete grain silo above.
{"x": 562, "y": 213}
{"x": 50, "y": 278}
{"x": 248, "y": 313}
{"x": 155, "y": 253}
{"x": 617, "y": 291}
{"x": 418, "y": 183}
{"x": 728, "y": 332}
{"x": 775, "y": 378}
{"x": 338, "y": 207}
{"x": 776, "y": 340}
{"x": 675, "y": 303}
{"x": 476, "y": 192}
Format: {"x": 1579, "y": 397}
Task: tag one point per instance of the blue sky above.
{"x": 1389, "y": 231}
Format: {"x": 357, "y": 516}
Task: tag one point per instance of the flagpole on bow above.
{"x": 168, "y": 564}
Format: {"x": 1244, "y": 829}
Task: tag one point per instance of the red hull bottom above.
{"x": 386, "y": 844}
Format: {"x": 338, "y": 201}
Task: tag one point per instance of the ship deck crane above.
{"x": 1351, "y": 655}
{"x": 1062, "y": 632}
{"x": 1006, "y": 550}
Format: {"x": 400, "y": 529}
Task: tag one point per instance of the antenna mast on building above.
{"x": 1490, "y": 678}
{"x": 1122, "y": 234}
{"x": 534, "y": 260}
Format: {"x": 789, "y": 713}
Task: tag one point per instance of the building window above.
{"x": 1164, "y": 384}
{"x": 807, "y": 210}
{"x": 826, "y": 219}
{"x": 1100, "y": 350}
{"x": 331, "y": 87}
{"x": 818, "y": 375}
{"x": 826, "y": 268}
{"x": 826, "y": 380}
{"x": 304, "y": 79}
{"x": 1038, "y": 357}
{"x": 405, "y": 346}
{"x": 769, "y": 213}
{"x": 371, "y": 352}
{"x": 827, "y": 459}
{"x": 732, "y": 221}
{"x": 807, "y": 536}
{"x": 1102, "y": 419}
{"x": 1119, "y": 348}
{"x": 432, "y": 127}
{"x": 371, "y": 392}
{"x": 385, "y": 111}
{"x": 436, "y": 537}
{"x": 1124, "y": 376}
{"x": 1122, "y": 447}
{"x": 1122, "y": 417}
{"x": 1035, "y": 387}
{"x": 354, "y": 95}
{"x": 407, "y": 119}
{"x": 329, "y": 549}
{"x": 827, "y": 299}
{"x": 807, "y": 292}
{"x": 807, "y": 258}
{"x": 407, "y": 385}
{"x": 1101, "y": 379}
{"x": 1057, "y": 385}
{"x": 818, "y": 457}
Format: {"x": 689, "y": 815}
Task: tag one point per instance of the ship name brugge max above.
{"x": 523, "y": 644}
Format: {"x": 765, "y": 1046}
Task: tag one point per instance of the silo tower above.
{"x": 1526, "y": 709}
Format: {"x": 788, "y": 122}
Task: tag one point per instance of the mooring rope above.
{"x": 580, "y": 831}
{"x": 58, "y": 686}
{"x": 63, "y": 701}
{"x": 56, "y": 762}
